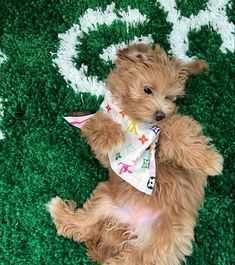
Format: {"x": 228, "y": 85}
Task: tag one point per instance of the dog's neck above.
{"x": 133, "y": 160}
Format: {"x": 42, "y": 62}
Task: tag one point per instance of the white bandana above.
{"x": 134, "y": 160}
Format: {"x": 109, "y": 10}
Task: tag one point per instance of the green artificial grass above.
{"x": 42, "y": 156}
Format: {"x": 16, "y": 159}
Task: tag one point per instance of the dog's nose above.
{"x": 160, "y": 115}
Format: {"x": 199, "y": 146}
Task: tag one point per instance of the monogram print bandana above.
{"x": 134, "y": 161}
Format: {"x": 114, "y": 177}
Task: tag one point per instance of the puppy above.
{"x": 119, "y": 224}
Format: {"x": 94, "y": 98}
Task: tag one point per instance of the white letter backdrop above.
{"x": 214, "y": 15}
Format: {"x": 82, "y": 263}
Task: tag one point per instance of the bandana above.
{"x": 134, "y": 161}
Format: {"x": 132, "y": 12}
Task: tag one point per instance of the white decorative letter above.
{"x": 214, "y": 15}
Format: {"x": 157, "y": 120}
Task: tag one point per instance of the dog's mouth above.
{"x": 156, "y": 118}
{"x": 148, "y": 117}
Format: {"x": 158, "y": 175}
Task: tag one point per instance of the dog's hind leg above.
{"x": 80, "y": 224}
{"x": 123, "y": 258}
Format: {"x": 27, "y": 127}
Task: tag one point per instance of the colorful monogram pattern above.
{"x": 135, "y": 160}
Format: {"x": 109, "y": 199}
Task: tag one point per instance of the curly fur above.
{"x": 119, "y": 224}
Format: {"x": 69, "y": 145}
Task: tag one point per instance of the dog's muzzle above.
{"x": 160, "y": 115}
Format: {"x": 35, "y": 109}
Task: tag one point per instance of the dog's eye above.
{"x": 148, "y": 90}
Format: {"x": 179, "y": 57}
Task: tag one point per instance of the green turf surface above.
{"x": 42, "y": 156}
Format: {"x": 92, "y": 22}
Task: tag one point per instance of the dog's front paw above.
{"x": 102, "y": 133}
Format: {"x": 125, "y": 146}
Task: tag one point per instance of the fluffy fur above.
{"x": 119, "y": 224}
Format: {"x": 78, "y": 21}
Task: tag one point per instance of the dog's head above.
{"x": 147, "y": 82}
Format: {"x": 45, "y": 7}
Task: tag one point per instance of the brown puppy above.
{"x": 119, "y": 224}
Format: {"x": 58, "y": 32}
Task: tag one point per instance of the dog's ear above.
{"x": 193, "y": 68}
{"x": 160, "y": 55}
{"x": 184, "y": 70}
{"x": 134, "y": 53}
{"x": 196, "y": 67}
